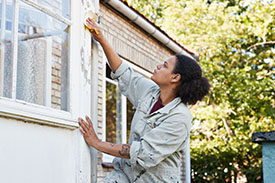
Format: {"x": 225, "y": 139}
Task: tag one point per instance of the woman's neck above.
{"x": 167, "y": 95}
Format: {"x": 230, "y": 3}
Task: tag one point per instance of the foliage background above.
{"x": 236, "y": 43}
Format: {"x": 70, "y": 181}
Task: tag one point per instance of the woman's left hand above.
{"x": 88, "y": 132}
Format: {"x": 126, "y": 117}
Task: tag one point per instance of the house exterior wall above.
{"x": 42, "y": 143}
{"x": 131, "y": 44}
{"x": 36, "y": 153}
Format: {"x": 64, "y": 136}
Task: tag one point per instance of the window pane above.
{"x": 130, "y": 115}
{"x": 42, "y": 67}
{"x": 5, "y": 51}
{"x": 61, "y": 7}
{"x": 113, "y": 114}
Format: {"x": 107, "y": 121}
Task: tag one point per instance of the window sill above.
{"x": 35, "y": 113}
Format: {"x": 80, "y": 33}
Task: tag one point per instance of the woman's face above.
{"x": 163, "y": 73}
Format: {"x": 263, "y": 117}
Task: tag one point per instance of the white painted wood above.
{"x": 94, "y": 104}
{"x": 111, "y": 81}
{"x": 74, "y": 69}
{"x": 14, "y": 46}
{"x": 43, "y": 144}
{"x": 36, "y": 113}
{"x": 74, "y": 64}
{"x": 124, "y": 119}
{"x": 139, "y": 69}
{"x": 104, "y": 98}
{"x": 32, "y": 153}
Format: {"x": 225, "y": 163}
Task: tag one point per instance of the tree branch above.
{"x": 228, "y": 129}
{"x": 260, "y": 44}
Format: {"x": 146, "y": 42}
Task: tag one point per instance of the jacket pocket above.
{"x": 143, "y": 106}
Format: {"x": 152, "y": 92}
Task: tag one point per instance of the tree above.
{"x": 152, "y": 9}
{"x": 236, "y": 42}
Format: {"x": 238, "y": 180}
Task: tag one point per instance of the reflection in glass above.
{"x": 5, "y": 49}
{"x": 61, "y": 7}
{"x": 130, "y": 115}
{"x": 113, "y": 114}
{"x": 42, "y": 58}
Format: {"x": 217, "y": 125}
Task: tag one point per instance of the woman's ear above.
{"x": 175, "y": 78}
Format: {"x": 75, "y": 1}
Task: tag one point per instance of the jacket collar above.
{"x": 171, "y": 105}
{"x": 168, "y": 107}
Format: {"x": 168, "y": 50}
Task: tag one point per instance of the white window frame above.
{"x": 106, "y": 158}
{"x": 18, "y": 109}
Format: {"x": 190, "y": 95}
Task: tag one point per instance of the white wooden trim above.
{"x": 138, "y": 69}
{"x": 124, "y": 119}
{"x": 104, "y": 99}
{"x": 106, "y": 158}
{"x": 14, "y": 46}
{"x": 70, "y": 68}
{"x": 49, "y": 12}
{"x": 74, "y": 88}
{"x": 2, "y": 49}
{"x": 94, "y": 104}
{"x": 36, "y": 113}
{"x": 74, "y": 67}
{"x": 111, "y": 81}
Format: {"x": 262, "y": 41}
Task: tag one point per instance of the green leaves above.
{"x": 151, "y": 9}
{"x": 236, "y": 42}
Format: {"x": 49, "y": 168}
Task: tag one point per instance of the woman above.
{"x": 161, "y": 124}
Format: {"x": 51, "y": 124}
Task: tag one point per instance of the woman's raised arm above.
{"x": 112, "y": 56}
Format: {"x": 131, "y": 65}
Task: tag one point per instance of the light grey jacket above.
{"x": 158, "y": 140}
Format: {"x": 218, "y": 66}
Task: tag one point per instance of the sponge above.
{"x": 90, "y": 14}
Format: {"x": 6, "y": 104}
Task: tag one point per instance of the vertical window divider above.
{"x": 15, "y": 47}
{"x": 2, "y": 51}
{"x": 104, "y": 98}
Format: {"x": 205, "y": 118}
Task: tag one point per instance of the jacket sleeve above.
{"x": 161, "y": 142}
{"x": 132, "y": 84}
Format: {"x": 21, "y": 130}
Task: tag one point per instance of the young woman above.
{"x": 162, "y": 121}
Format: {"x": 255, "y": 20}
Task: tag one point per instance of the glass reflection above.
{"x": 113, "y": 114}
{"x": 130, "y": 115}
{"x": 42, "y": 58}
{"x": 61, "y": 7}
{"x": 5, "y": 49}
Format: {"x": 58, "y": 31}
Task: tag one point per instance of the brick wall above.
{"x": 131, "y": 44}
{"x": 56, "y": 74}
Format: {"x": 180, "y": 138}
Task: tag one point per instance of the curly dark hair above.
{"x": 193, "y": 86}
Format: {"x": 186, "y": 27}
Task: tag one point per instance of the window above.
{"x": 34, "y": 52}
{"x": 119, "y": 112}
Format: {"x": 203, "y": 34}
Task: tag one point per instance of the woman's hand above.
{"x": 95, "y": 30}
{"x": 113, "y": 58}
{"x": 88, "y": 132}
{"x": 118, "y": 150}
